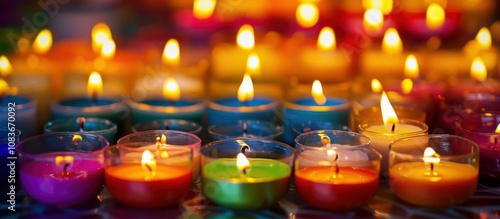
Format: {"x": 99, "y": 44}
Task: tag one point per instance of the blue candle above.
{"x": 114, "y": 110}
{"x": 153, "y": 109}
{"x": 169, "y": 124}
{"x": 21, "y": 112}
{"x": 231, "y": 109}
{"x": 89, "y": 125}
{"x": 246, "y": 129}
{"x": 334, "y": 110}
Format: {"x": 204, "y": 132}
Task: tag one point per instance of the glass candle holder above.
{"x": 169, "y": 124}
{"x": 257, "y": 184}
{"x": 141, "y": 175}
{"x": 338, "y": 177}
{"x": 374, "y": 113}
{"x": 305, "y": 127}
{"x": 381, "y": 136}
{"x": 20, "y": 111}
{"x": 483, "y": 129}
{"x": 435, "y": 171}
{"x": 89, "y": 125}
{"x": 172, "y": 139}
{"x": 330, "y": 138}
{"x": 246, "y": 129}
{"x": 63, "y": 169}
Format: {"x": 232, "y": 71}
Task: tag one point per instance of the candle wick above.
{"x": 149, "y": 168}
{"x": 495, "y": 140}
{"x": 432, "y": 167}
{"x": 244, "y": 149}
{"x": 82, "y": 124}
{"x": 65, "y": 169}
{"x": 245, "y": 129}
{"x": 244, "y": 171}
{"x": 94, "y": 98}
{"x": 393, "y": 128}
{"x": 337, "y": 169}
{"x": 167, "y": 126}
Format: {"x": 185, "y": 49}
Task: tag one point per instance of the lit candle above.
{"x": 373, "y": 20}
{"x": 368, "y": 17}
{"x": 452, "y": 173}
{"x": 383, "y": 132}
{"x": 18, "y": 112}
{"x": 244, "y": 107}
{"x": 307, "y": 14}
{"x": 482, "y": 47}
{"x": 314, "y": 108}
{"x": 148, "y": 179}
{"x": 62, "y": 169}
{"x": 231, "y": 180}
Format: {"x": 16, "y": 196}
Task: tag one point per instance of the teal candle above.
{"x": 262, "y": 186}
{"x": 154, "y": 109}
{"x": 231, "y": 109}
{"x": 88, "y": 125}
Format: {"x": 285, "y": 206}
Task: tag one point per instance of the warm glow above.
{"x": 76, "y": 137}
{"x": 245, "y": 92}
{"x": 171, "y": 90}
{"x": 435, "y": 16}
{"x": 63, "y": 163}
{"x": 5, "y": 66}
{"x": 245, "y": 37}
{"x": 242, "y": 163}
{"x": 307, "y": 14}
{"x": 331, "y": 154}
{"x": 94, "y": 86}
{"x": 148, "y": 162}
{"x": 4, "y": 87}
{"x": 253, "y": 64}
{"x": 376, "y": 86}
{"x": 392, "y": 43}
{"x": 326, "y": 39}
{"x": 100, "y": 33}
{"x": 43, "y": 42}
{"x": 406, "y": 85}
{"x": 411, "y": 67}
{"x": 108, "y": 49}
{"x": 388, "y": 114}
{"x": 385, "y": 6}
{"x": 203, "y": 9}
{"x": 161, "y": 145}
{"x": 430, "y": 156}
{"x": 478, "y": 70}
{"x": 317, "y": 93}
{"x": 373, "y": 20}
{"x": 483, "y": 38}
{"x": 498, "y": 129}
{"x": 171, "y": 53}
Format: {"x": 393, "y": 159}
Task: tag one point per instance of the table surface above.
{"x": 484, "y": 204}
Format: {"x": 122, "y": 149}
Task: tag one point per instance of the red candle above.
{"x": 321, "y": 187}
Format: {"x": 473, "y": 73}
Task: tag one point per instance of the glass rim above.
{"x": 300, "y": 153}
{"x": 141, "y": 148}
{"x": 191, "y": 135}
{"x": 171, "y": 121}
{"x": 199, "y": 105}
{"x": 110, "y": 125}
{"x": 32, "y": 103}
{"x": 277, "y": 130}
{"x": 419, "y": 124}
{"x": 117, "y": 103}
{"x": 316, "y": 132}
{"x": 245, "y": 109}
{"x": 474, "y": 145}
{"x": 287, "y": 147}
{"x": 291, "y": 105}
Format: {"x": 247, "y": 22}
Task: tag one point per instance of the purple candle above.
{"x": 62, "y": 169}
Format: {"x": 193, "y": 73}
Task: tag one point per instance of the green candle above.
{"x": 262, "y": 185}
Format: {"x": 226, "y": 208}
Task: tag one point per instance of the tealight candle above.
{"x": 246, "y": 129}
{"x": 167, "y": 138}
{"x": 169, "y": 124}
{"x": 89, "y": 125}
{"x": 246, "y": 173}
{"x": 312, "y": 109}
{"x": 18, "y": 112}
{"x": 340, "y": 174}
{"x": 423, "y": 166}
{"x": 383, "y": 132}
{"x": 427, "y": 20}
{"x": 484, "y": 130}
{"x": 244, "y": 107}
{"x": 148, "y": 178}
{"x": 63, "y": 169}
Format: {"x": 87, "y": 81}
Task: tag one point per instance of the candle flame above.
{"x": 483, "y": 38}
{"x": 64, "y": 162}
{"x": 435, "y": 16}
{"x": 307, "y": 14}
{"x": 203, "y": 9}
{"x": 411, "y": 67}
{"x": 5, "y": 66}
{"x": 406, "y": 85}
{"x": 253, "y": 64}
{"x": 478, "y": 70}
{"x": 43, "y": 42}
{"x": 385, "y": 6}
{"x": 373, "y": 20}
{"x": 498, "y": 129}
{"x": 100, "y": 33}
{"x": 376, "y": 86}
{"x": 242, "y": 163}
{"x": 245, "y": 37}
{"x": 148, "y": 163}
{"x": 245, "y": 92}
{"x": 326, "y": 39}
{"x": 431, "y": 158}
{"x": 161, "y": 145}
{"x": 171, "y": 53}
{"x": 94, "y": 85}
{"x": 108, "y": 49}
{"x": 171, "y": 90}
{"x": 317, "y": 93}
{"x": 388, "y": 114}
{"x": 392, "y": 43}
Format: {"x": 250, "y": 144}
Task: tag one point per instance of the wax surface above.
{"x": 163, "y": 102}
{"x": 231, "y": 109}
{"x": 42, "y": 181}
{"x": 311, "y": 102}
{"x": 454, "y": 184}
{"x": 234, "y": 102}
{"x": 86, "y": 102}
{"x": 127, "y": 183}
{"x": 352, "y": 188}
{"x": 264, "y": 184}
